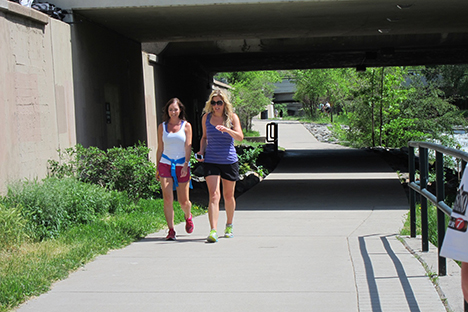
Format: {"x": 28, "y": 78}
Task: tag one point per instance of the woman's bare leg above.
{"x": 214, "y": 197}
{"x": 183, "y": 198}
{"x": 229, "y": 188}
{"x": 168, "y": 196}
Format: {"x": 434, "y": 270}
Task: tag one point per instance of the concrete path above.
{"x": 319, "y": 234}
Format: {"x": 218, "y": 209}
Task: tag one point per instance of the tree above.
{"x": 451, "y": 79}
{"x": 411, "y": 107}
{"x": 315, "y": 86}
{"x": 431, "y": 109}
{"x": 252, "y": 92}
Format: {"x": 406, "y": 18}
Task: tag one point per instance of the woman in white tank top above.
{"x": 172, "y": 161}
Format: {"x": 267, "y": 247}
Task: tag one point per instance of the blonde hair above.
{"x": 228, "y": 109}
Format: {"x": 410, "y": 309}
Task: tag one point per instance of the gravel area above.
{"x": 321, "y": 132}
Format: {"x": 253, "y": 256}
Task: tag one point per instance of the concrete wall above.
{"x": 36, "y": 92}
{"x": 109, "y": 90}
{"x": 150, "y": 104}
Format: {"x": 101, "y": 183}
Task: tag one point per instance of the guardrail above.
{"x": 437, "y": 199}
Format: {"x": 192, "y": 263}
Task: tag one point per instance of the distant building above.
{"x": 284, "y": 93}
{"x": 221, "y": 86}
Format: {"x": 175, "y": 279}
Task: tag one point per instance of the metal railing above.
{"x": 420, "y": 187}
{"x": 437, "y": 199}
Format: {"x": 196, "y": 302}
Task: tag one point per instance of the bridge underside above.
{"x": 253, "y": 35}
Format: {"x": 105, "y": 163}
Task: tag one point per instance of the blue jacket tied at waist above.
{"x": 174, "y": 162}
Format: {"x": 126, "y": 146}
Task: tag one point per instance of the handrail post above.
{"x": 424, "y": 170}
{"x": 440, "y": 194}
{"x": 412, "y": 193}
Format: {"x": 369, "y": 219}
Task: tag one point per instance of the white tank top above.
{"x": 174, "y": 144}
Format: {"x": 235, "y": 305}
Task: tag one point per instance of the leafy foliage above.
{"x": 391, "y": 106}
{"x": 452, "y": 80}
{"x": 387, "y": 106}
{"x": 317, "y": 86}
{"x": 427, "y": 102}
{"x": 53, "y": 205}
{"x": 121, "y": 169}
{"x": 12, "y": 227}
{"x": 248, "y": 155}
{"x": 252, "y": 92}
{"x": 377, "y": 98}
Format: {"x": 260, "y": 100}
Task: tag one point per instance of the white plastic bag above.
{"x": 455, "y": 245}
{"x": 26, "y": 3}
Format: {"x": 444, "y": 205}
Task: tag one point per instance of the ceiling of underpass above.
{"x": 254, "y": 35}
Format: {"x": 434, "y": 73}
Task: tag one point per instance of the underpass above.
{"x": 191, "y": 42}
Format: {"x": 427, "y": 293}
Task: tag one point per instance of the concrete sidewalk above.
{"x": 318, "y": 234}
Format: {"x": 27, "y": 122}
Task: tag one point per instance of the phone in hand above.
{"x": 199, "y": 156}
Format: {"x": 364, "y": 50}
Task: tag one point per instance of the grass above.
{"x": 250, "y": 133}
{"x": 326, "y": 119}
{"x": 432, "y": 226}
{"x": 28, "y": 267}
{"x": 321, "y": 118}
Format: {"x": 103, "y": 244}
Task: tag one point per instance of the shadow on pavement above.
{"x": 335, "y": 179}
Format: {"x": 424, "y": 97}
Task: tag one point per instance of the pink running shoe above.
{"x": 189, "y": 225}
{"x": 171, "y": 235}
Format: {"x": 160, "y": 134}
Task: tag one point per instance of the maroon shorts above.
{"x": 165, "y": 172}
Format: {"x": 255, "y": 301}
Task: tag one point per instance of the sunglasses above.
{"x": 219, "y": 103}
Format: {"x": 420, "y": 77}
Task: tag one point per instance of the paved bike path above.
{"x": 318, "y": 234}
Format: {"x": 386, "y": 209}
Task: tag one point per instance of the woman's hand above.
{"x": 235, "y": 132}
{"x": 222, "y": 128}
{"x": 199, "y": 157}
{"x": 184, "y": 170}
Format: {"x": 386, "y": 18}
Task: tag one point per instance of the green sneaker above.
{"x": 213, "y": 237}
{"x": 228, "y": 231}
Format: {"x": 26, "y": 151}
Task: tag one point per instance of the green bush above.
{"x": 248, "y": 155}
{"x": 53, "y": 205}
{"x": 12, "y": 227}
{"x": 121, "y": 169}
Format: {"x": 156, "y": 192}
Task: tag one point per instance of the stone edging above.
{"x": 17, "y": 9}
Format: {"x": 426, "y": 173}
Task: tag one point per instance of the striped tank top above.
{"x": 220, "y": 148}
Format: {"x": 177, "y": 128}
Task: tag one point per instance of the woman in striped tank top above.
{"x": 221, "y": 126}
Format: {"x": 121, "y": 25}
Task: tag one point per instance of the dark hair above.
{"x": 166, "y": 108}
